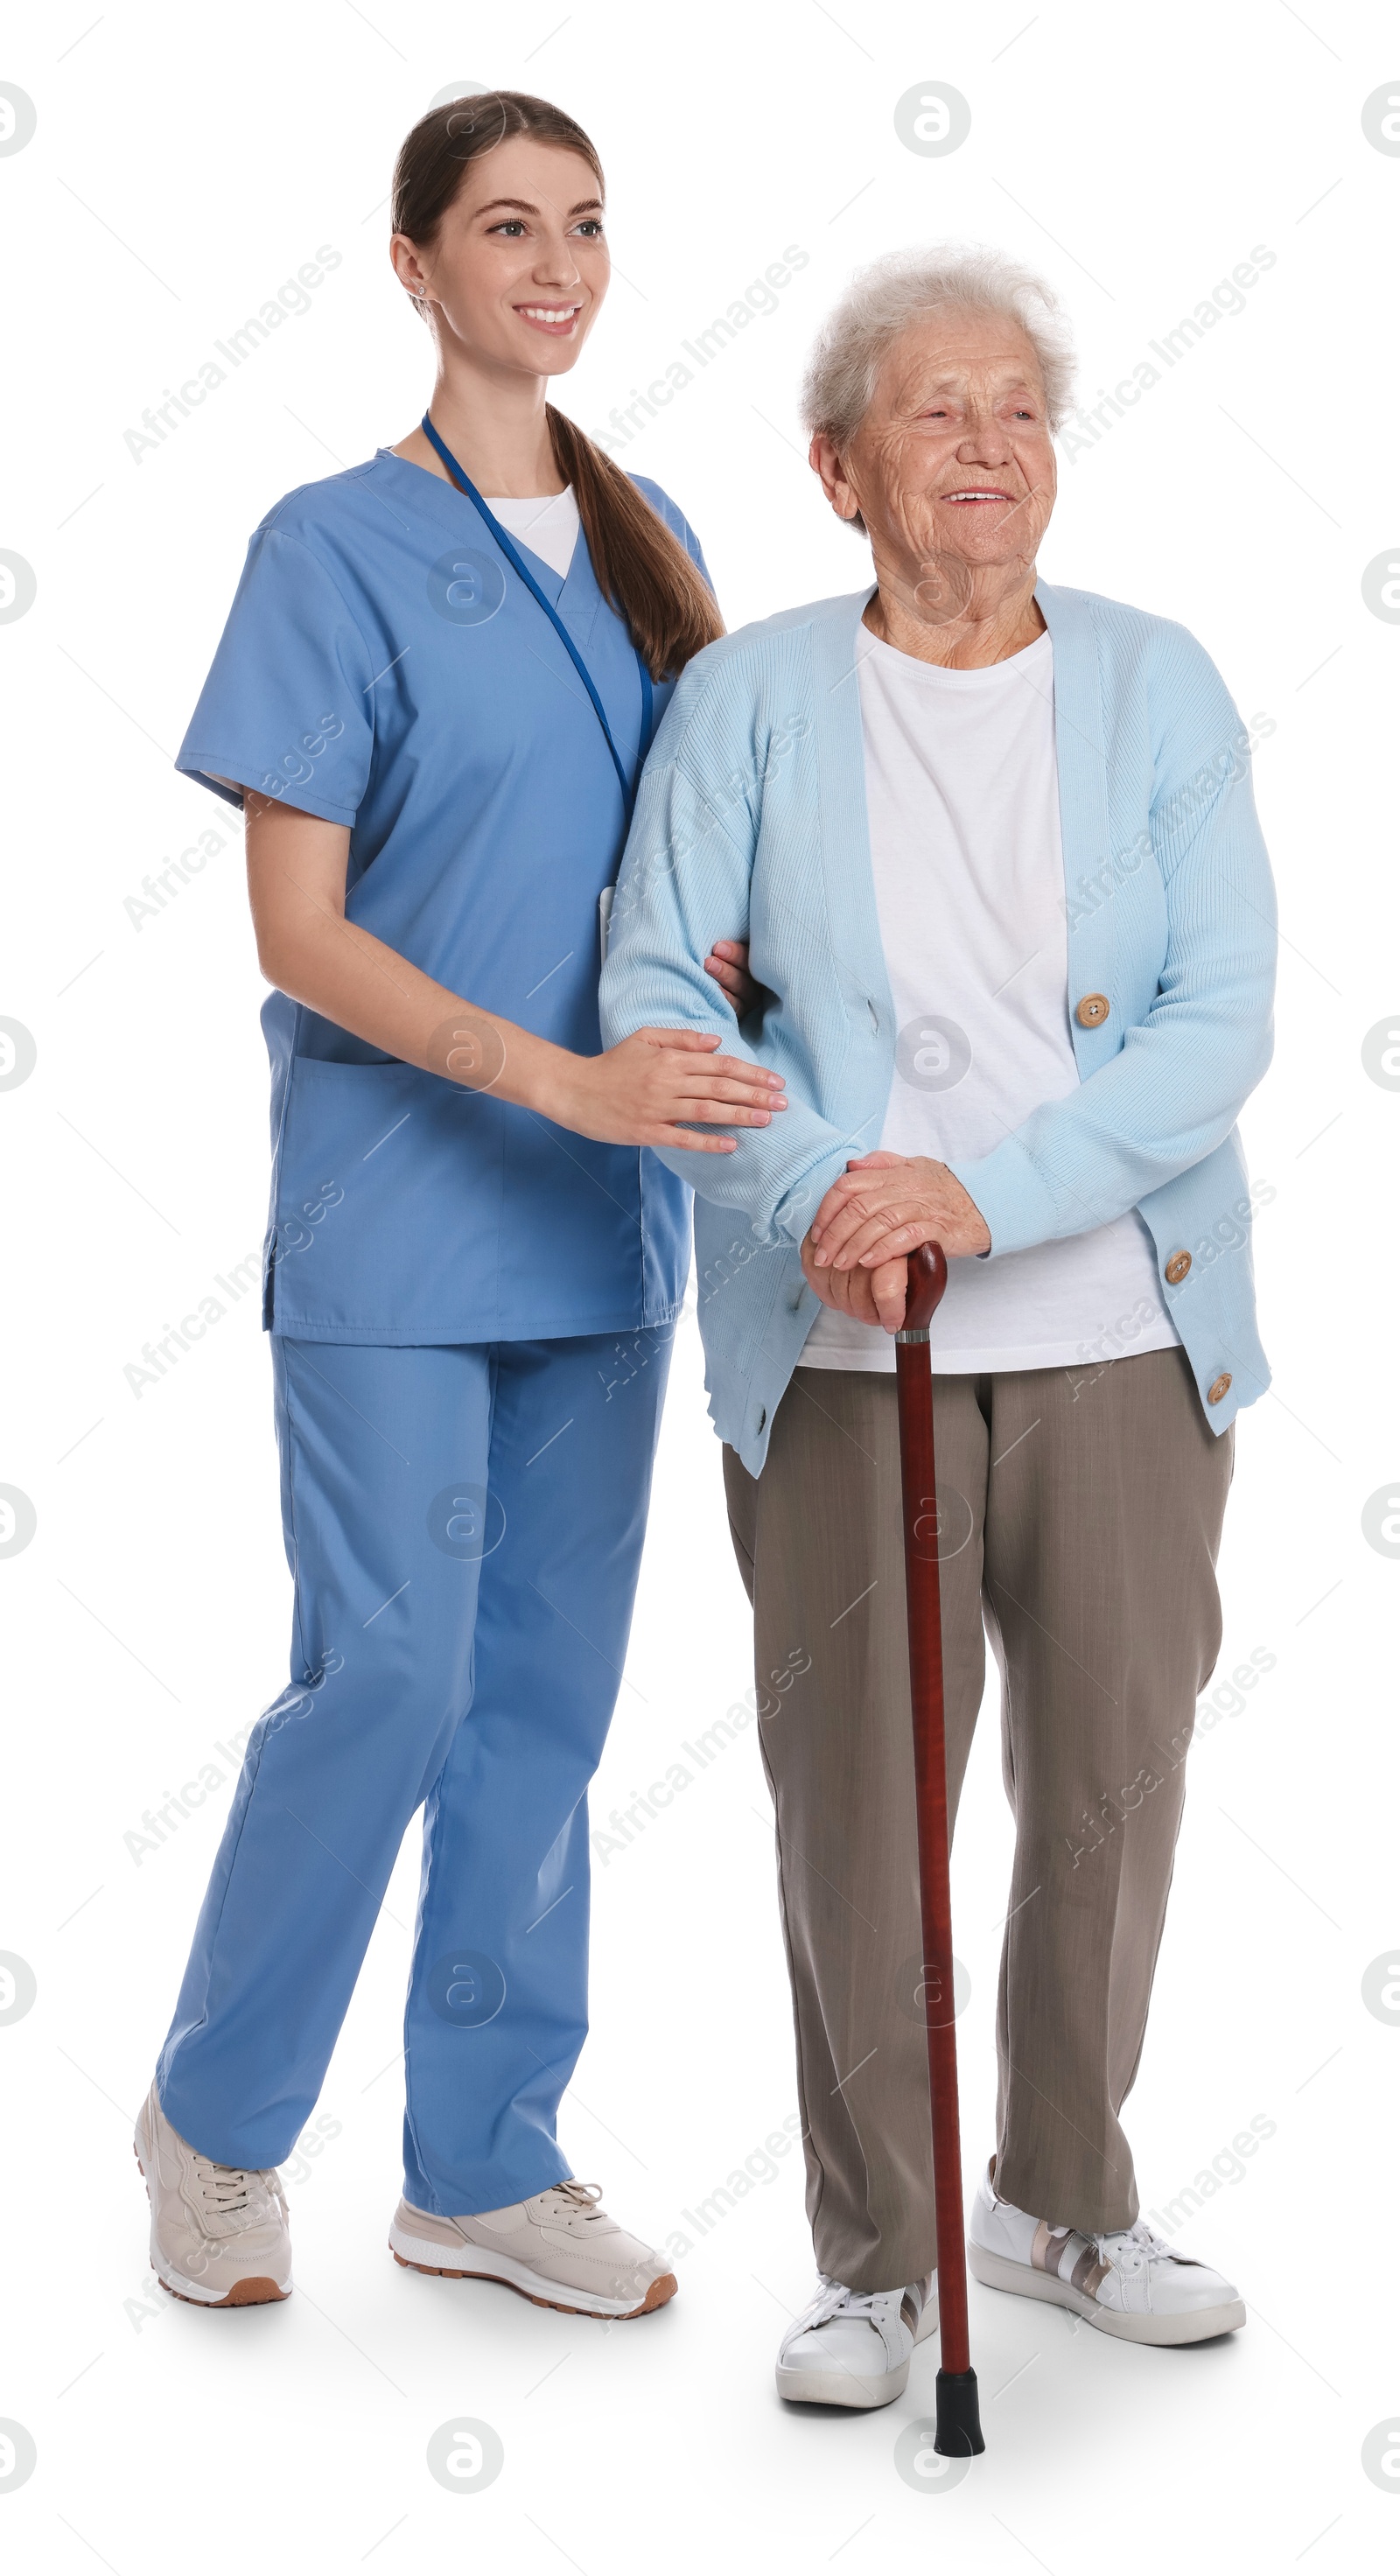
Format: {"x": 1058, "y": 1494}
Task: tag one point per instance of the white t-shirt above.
{"x": 547, "y": 523}
{"x": 963, "y": 795}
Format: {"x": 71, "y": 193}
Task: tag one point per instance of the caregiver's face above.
{"x": 520, "y": 266}
{"x": 954, "y": 456}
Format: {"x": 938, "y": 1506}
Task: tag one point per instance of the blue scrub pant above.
{"x": 464, "y": 1527}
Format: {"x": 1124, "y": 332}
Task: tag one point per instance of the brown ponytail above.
{"x": 641, "y": 569}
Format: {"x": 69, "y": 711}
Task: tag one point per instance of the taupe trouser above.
{"x": 1080, "y": 1515}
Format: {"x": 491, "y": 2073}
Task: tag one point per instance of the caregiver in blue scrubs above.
{"x": 434, "y": 692}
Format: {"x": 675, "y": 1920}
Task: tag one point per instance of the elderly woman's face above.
{"x": 954, "y": 457}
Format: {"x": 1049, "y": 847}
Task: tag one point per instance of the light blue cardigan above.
{"x": 751, "y": 824}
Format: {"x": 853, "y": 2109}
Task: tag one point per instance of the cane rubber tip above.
{"x": 928, "y": 1277}
{"x": 959, "y": 2422}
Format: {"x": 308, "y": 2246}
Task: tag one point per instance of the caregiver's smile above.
{"x": 557, "y": 319}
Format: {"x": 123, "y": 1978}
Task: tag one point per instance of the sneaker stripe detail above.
{"x": 1048, "y": 2245}
{"x": 1048, "y": 2255}
{"x": 1088, "y": 2272}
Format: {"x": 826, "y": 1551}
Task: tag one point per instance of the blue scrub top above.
{"x": 384, "y": 667}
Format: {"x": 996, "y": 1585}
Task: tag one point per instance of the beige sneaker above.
{"x": 219, "y": 2235}
{"x": 559, "y": 2249}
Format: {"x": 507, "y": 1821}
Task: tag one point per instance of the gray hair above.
{"x": 905, "y": 287}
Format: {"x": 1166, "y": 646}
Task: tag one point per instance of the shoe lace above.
{"x": 579, "y": 2195}
{"x": 230, "y": 2190}
{"x": 834, "y": 2300}
{"x": 1131, "y": 2249}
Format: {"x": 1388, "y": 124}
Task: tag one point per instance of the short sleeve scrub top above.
{"x": 384, "y": 667}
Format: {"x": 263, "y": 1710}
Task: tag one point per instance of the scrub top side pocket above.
{"x": 376, "y": 1163}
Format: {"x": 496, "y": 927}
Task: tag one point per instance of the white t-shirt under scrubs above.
{"x": 963, "y": 795}
{"x": 547, "y": 523}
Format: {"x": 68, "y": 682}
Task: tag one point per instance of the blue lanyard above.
{"x": 465, "y": 484}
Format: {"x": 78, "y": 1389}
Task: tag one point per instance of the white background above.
{"x": 185, "y": 164}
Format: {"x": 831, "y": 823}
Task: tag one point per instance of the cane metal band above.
{"x": 913, "y": 1337}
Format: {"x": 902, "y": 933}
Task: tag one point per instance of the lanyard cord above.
{"x": 465, "y": 485}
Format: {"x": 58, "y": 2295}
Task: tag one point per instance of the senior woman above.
{"x": 994, "y": 848}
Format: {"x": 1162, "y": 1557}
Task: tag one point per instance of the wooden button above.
{"x": 1221, "y": 1387}
{"x": 1092, "y": 1011}
{"x": 1177, "y": 1268}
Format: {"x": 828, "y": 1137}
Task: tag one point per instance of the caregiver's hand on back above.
{"x": 654, "y": 1089}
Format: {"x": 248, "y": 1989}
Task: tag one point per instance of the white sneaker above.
{"x": 1132, "y": 2283}
{"x": 559, "y": 2249}
{"x": 219, "y": 2234}
{"x": 853, "y": 2347}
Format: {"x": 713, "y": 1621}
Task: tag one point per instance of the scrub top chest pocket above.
{"x": 384, "y": 667}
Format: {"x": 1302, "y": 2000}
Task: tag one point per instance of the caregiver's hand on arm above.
{"x": 885, "y": 1205}
{"x": 728, "y": 963}
{"x": 638, "y": 1093}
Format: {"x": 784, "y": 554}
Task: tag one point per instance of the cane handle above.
{"x": 928, "y": 1277}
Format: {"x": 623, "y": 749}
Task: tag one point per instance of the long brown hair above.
{"x": 642, "y": 570}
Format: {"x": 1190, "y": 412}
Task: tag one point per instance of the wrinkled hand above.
{"x": 869, "y": 1296}
{"x": 639, "y": 1092}
{"x": 728, "y": 962}
{"x": 885, "y": 1205}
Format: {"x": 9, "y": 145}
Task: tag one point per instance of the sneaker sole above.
{"x": 414, "y": 2254}
{"x": 840, "y": 2387}
{"x": 259, "y": 2291}
{"x": 996, "y": 2272}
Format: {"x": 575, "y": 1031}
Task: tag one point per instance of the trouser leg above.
{"x": 381, "y": 1674}
{"x": 389, "y": 1504}
{"x": 819, "y": 1540}
{"x": 1104, "y": 1510}
{"x": 497, "y": 2009}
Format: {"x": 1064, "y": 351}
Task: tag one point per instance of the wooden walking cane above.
{"x": 959, "y": 2426}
